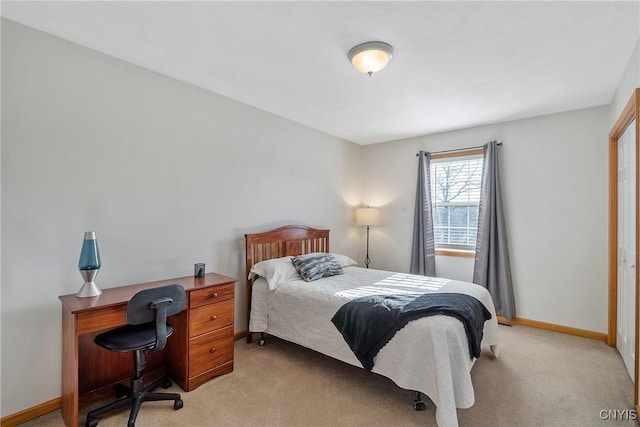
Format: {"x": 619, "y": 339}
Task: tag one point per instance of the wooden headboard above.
{"x": 290, "y": 240}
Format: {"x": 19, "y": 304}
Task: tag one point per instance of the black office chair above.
{"x": 147, "y": 331}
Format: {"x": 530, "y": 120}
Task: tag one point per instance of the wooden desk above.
{"x": 200, "y": 348}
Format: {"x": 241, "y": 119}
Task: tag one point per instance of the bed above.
{"x": 430, "y": 355}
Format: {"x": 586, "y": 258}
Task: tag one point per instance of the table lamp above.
{"x": 367, "y": 216}
{"x": 89, "y": 265}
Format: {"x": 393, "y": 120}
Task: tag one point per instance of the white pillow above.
{"x": 276, "y": 271}
{"x": 344, "y": 260}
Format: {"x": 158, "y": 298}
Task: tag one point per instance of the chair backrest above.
{"x": 155, "y": 305}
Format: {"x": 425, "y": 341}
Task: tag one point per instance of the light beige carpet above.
{"x": 541, "y": 379}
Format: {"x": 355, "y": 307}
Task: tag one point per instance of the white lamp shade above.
{"x": 370, "y": 57}
{"x": 367, "y": 216}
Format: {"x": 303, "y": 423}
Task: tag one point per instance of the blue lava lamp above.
{"x": 89, "y": 265}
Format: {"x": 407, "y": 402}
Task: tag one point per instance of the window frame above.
{"x": 451, "y": 251}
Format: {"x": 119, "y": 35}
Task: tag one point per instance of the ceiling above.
{"x": 456, "y": 64}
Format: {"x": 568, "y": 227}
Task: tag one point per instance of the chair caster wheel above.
{"x": 121, "y": 391}
{"x": 167, "y": 383}
{"x": 420, "y": 405}
{"x": 91, "y": 422}
{"x": 178, "y": 404}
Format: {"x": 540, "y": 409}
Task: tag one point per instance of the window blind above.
{"x": 455, "y": 193}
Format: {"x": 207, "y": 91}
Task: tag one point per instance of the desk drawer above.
{"x": 99, "y": 320}
{"x": 211, "y": 295}
{"x": 200, "y": 379}
{"x": 210, "y": 317}
{"x": 210, "y": 350}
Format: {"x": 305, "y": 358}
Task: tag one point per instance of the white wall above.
{"x": 165, "y": 173}
{"x": 554, "y": 174}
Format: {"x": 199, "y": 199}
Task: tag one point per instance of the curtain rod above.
{"x": 458, "y": 149}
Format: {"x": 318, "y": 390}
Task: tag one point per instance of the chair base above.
{"x": 135, "y": 395}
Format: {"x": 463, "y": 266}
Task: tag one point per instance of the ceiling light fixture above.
{"x": 370, "y": 57}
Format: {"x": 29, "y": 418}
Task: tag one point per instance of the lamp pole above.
{"x": 367, "y": 260}
{"x": 367, "y": 217}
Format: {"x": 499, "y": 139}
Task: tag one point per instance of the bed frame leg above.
{"x": 419, "y": 404}
{"x": 261, "y": 342}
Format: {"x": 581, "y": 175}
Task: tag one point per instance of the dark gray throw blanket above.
{"x": 368, "y": 323}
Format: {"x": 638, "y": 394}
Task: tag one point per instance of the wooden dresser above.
{"x": 200, "y": 348}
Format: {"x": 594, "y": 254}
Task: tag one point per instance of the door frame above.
{"x": 630, "y": 112}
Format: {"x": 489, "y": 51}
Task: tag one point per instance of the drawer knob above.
{"x": 214, "y": 295}
{"x": 212, "y": 350}
{"x": 214, "y": 317}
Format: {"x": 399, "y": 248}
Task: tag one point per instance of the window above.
{"x": 455, "y": 196}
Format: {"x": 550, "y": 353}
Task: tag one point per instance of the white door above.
{"x": 627, "y": 246}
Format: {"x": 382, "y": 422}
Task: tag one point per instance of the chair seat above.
{"x": 130, "y": 337}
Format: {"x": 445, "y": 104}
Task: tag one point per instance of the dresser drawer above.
{"x": 210, "y": 317}
{"x": 211, "y": 295}
{"x": 209, "y": 350}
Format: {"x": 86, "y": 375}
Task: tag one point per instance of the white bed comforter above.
{"x": 301, "y": 312}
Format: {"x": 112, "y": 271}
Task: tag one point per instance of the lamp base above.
{"x": 89, "y": 289}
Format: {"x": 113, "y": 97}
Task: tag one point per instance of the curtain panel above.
{"x": 423, "y": 248}
{"x": 492, "y": 268}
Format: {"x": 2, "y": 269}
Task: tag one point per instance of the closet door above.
{"x": 624, "y": 239}
{"x": 626, "y": 316}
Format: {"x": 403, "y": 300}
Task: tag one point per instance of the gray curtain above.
{"x": 423, "y": 249}
{"x": 491, "y": 268}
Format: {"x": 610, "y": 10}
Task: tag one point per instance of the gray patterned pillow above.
{"x": 315, "y": 266}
